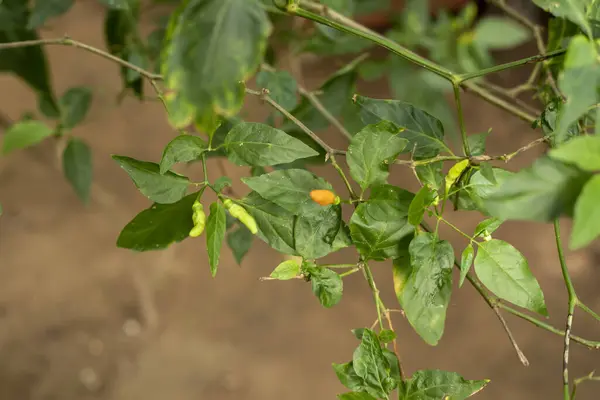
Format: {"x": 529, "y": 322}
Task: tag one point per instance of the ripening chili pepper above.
{"x": 199, "y": 219}
{"x": 324, "y": 197}
{"x": 238, "y": 212}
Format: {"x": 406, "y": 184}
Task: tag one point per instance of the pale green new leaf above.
{"x": 260, "y": 145}
{"x": 77, "y": 167}
{"x": 438, "y": 385}
{"x": 286, "y": 270}
{"x": 573, "y": 10}
{"x": 372, "y": 150}
{"x": 215, "y": 233}
{"x": 583, "y": 151}
{"x": 426, "y": 295}
{"x": 74, "y": 106}
{"x": 182, "y": 149}
{"x": 586, "y": 225}
{"x": 505, "y": 272}
{"x": 160, "y": 188}
{"x": 24, "y": 134}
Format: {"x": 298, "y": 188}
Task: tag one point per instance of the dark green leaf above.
{"x": 504, "y": 271}
{"x": 541, "y": 192}
{"x": 212, "y": 46}
{"x": 394, "y": 366}
{"x": 582, "y": 151}
{"x": 275, "y": 225}
{"x": 371, "y": 365}
{"x": 240, "y": 241}
{"x": 402, "y": 269}
{"x": 386, "y": 336}
{"x": 46, "y": 9}
{"x": 487, "y": 227}
{"x": 117, "y": 4}
{"x": 424, "y": 133}
{"x": 487, "y": 172}
{"x": 549, "y": 122}
{"x": 250, "y": 143}
{"x": 74, "y": 105}
{"x": 24, "y": 134}
{"x": 372, "y": 150}
{"x": 419, "y": 204}
{"x": 286, "y": 270}
{"x": 326, "y": 285}
{"x": 314, "y": 233}
{"x": 498, "y": 33}
{"x": 257, "y": 171}
{"x": 289, "y": 189}
{"x": 586, "y": 225}
{"x": 378, "y": 225}
{"x": 159, "y": 226}
{"x": 77, "y": 167}
{"x": 161, "y": 188}
{"x": 466, "y": 260}
{"x": 215, "y": 233}
{"x": 573, "y": 10}
{"x": 281, "y": 85}
{"x": 431, "y": 174}
{"x": 426, "y": 294}
{"x": 182, "y": 149}
{"x": 356, "y": 396}
{"x": 358, "y": 333}
{"x": 222, "y": 183}
{"x": 347, "y": 376}
{"x": 477, "y": 189}
{"x": 438, "y": 385}
{"x": 477, "y": 143}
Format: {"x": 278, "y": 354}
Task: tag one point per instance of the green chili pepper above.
{"x": 199, "y": 219}
{"x": 238, "y": 212}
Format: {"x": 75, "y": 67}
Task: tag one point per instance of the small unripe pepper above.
{"x": 199, "y": 219}
{"x": 324, "y": 197}
{"x": 238, "y": 212}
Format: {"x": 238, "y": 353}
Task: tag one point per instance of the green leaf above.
{"x": 402, "y": 269}
{"x": 315, "y": 233}
{"x": 541, "y": 192}
{"x": 371, "y": 365}
{"x": 161, "y": 188}
{"x": 221, "y": 183}
{"x": 286, "y": 270}
{"x": 387, "y": 336}
{"x": 438, "y": 385}
{"x": 425, "y": 134}
{"x": 466, "y": 260}
{"x": 348, "y": 377}
{"x": 74, "y": 105}
{"x": 240, "y": 241}
{"x": 477, "y": 188}
{"x": 77, "y": 167}
{"x": 182, "y": 149}
{"x": 46, "y": 9}
{"x": 487, "y": 227}
{"x": 372, "y": 150}
{"x": 431, "y": 174}
{"x": 426, "y": 294}
{"x": 159, "y": 226}
{"x": 212, "y": 46}
{"x": 583, "y": 151}
{"x": 378, "y": 225}
{"x": 251, "y": 143}
{"x": 487, "y": 171}
{"x": 499, "y": 33}
{"x": 275, "y": 225}
{"x": 215, "y": 233}
{"x": 282, "y": 87}
{"x": 505, "y": 272}
{"x": 326, "y": 285}
{"x": 356, "y": 396}
{"x": 419, "y": 204}
{"x": 578, "y": 82}
{"x": 117, "y": 4}
{"x": 573, "y": 10}
{"x": 549, "y": 119}
{"x": 289, "y": 189}
{"x": 477, "y": 143}
{"x": 586, "y": 225}
{"x": 24, "y": 134}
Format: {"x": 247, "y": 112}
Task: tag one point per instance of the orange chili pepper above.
{"x": 324, "y": 197}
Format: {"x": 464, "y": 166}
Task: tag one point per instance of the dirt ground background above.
{"x": 81, "y": 319}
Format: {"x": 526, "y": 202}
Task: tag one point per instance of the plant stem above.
{"x": 373, "y": 286}
{"x": 314, "y": 100}
{"x": 341, "y": 173}
{"x": 578, "y": 381}
{"x": 350, "y": 272}
{"x": 588, "y": 310}
{"x": 572, "y": 303}
{"x": 461, "y": 120}
{"x": 205, "y": 169}
{"x": 498, "y": 102}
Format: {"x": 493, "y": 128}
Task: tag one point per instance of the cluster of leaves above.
{"x": 207, "y": 51}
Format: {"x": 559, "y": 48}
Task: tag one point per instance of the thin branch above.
{"x": 314, "y": 100}
{"x": 394, "y": 344}
{"x": 588, "y": 310}
{"x": 461, "y": 120}
{"x": 578, "y": 381}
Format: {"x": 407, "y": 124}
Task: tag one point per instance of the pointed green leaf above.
{"x": 348, "y": 377}
{"x": 275, "y": 225}
{"x": 221, "y": 183}
{"x": 573, "y": 10}
{"x": 487, "y": 227}
{"x": 24, "y": 134}
{"x": 426, "y": 295}
{"x": 46, "y": 9}
{"x": 215, "y": 233}
{"x": 402, "y": 269}
{"x": 326, "y": 285}
{"x": 477, "y": 143}
{"x": 251, "y": 143}
{"x": 356, "y": 396}
{"x": 315, "y": 233}
{"x": 77, "y": 167}
{"x": 419, "y": 204}
{"x": 240, "y": 241}
{"x": 487, "y": 171}
{"x": 466, "y": 260}
{"x": 498, "y": 33}
{"x": 159, "y": 226}
{"x": 425, "y": 134}
{"x": 549, "y": 120}
{"x": 477, "y": 188}
{"x": 289, "y": 189}
{"x": 586, "y": 225}
{"x": 541, "y": 192}
{"x": 146, "y": 176}
{"x": 371, "y": 365}
{"x": 74, "y": 105}
{"x": 387, "y": 336}
{"x": 286, "y": 270}
{"x": 583, "y": 151}
{"x": 438, "y": 385}
{"x": 378, "y": 225}
{"x": 372, "y": 150}
{"x": 282, "y": 87}
{"x": 212, "y": 46}
{"x": 505, "y": 272}
{"x": 431, "y": 174}
{"x": 182, "y": 149}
